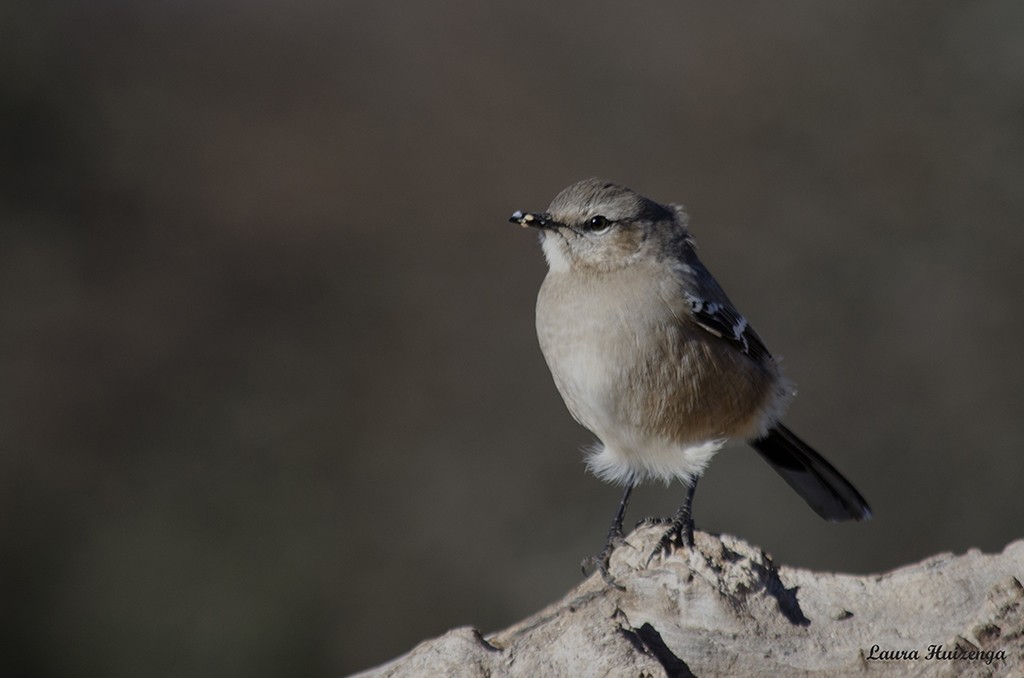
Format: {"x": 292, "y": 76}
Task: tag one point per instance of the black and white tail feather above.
{"x": 819, "y": 483}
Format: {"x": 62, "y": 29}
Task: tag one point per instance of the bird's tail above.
{"x": 823, "y": 488}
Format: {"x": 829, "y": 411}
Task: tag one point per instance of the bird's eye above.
{"x": 598, "y": 223}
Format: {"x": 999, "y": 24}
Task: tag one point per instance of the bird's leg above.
{"x": 615, "y": 537}
{"x": 680, "y": 531}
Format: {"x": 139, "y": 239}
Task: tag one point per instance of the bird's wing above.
{"x": 725, "y": 322}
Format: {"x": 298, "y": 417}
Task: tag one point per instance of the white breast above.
{"x": 598, "y": 336}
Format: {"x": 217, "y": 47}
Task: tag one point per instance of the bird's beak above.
{"x": 534, "y": 219}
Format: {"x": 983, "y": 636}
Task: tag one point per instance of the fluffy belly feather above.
{"x": 629, "y": 370}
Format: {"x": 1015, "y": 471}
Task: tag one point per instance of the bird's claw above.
{"x": 601, "y": 560}
{"x": 678, "y": 535}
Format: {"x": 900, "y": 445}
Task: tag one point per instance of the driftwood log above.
{"x": 724, "y": 609}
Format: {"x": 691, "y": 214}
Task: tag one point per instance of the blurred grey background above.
{"x": 272, "y": 402}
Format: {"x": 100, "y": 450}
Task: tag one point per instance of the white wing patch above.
{"x": 724, "y": 322}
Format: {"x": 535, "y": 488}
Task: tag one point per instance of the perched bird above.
{"x": 651, "y": 356}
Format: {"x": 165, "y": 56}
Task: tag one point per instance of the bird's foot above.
{"x": 678, "y": 535}
{"x": 602, "y": 559}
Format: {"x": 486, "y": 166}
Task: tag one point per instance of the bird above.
{"x": 652, "y": 357}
